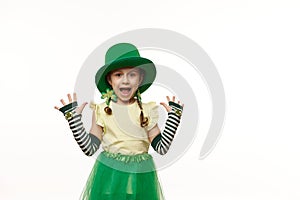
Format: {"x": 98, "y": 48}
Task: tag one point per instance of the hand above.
{"x": 79, "y": 109}
{"x": 167, "y": 107}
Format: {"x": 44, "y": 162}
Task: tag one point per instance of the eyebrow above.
{"x": 132, "y": 70}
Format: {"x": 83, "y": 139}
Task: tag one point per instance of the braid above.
{"x": 144, "y": 120}
{"x": 107, "y": 109}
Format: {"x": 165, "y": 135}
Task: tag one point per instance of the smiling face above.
{"x": 125, "y": 82}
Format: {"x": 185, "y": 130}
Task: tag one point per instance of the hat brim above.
{"x": 142, "y": 63}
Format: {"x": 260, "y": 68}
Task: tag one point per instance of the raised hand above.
{"x": 74, "y": 100}
{"x": 167, "y": 106}
{"x": 89, "y": 143}
{"x": 162, "y": 141}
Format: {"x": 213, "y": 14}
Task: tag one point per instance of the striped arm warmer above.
{"x": 88, "y": 142}
{"x": 162, "y": 142}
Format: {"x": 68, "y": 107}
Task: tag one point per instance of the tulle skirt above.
{"x": 123, "y": 177}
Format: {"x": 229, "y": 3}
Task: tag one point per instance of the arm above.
{"x": 88, "y": 142}
{"x": 96, "y": 129}
{"x": 161, "y": 142}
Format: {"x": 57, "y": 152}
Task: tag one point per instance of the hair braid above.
{"x": 144, "y": 120}
{"x": 107, "y": 109}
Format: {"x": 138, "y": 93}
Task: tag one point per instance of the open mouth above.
{"x": 125, "y": 91}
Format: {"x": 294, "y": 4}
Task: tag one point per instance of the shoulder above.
{"x": 150, "y": 105}
{"x": 97, "y": 106}
{"x": 150, "y": 108}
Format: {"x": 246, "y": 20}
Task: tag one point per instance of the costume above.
{"x": 124, "y": 170}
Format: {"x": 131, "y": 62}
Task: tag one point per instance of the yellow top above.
{"x": 122, "y": 132}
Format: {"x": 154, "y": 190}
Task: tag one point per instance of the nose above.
{"x": 125, "y": 79}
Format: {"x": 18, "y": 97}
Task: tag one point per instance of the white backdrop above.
{"x": 254, "y": 45}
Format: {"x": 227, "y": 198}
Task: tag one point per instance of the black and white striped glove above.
{"x": 88, "y": 142}
{"x": 162, "y": 142}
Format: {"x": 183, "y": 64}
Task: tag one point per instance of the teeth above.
{"x": 122, "y": 89}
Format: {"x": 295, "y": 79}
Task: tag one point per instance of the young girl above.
{"x": 125, "y": 127}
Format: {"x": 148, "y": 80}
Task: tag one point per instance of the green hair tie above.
{"x": 109, "y": 95}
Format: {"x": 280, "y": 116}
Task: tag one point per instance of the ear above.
{"x": 108, "y": 79}
{"x": 141, "y": 78}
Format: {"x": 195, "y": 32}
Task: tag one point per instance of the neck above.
{"x": 131, "y": 101}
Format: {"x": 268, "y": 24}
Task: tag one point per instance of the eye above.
{"x": 133, "y": 74}
{"x": 117, "y": 74}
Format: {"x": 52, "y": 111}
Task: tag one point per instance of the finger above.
{"x": 166, "y": 106}
{"x": 55, "y": 107}
{"x": 179, "y": 102}
{"x": 182, "y": 105}
{"x": 173, "y": 99}
{"x": 63, "y": 102}
{"x": 83, "y": 106}
{"x": 70, "y": 98}
{"x": 74, "y": 96}
{"x": 168, "y": 98}
{"x": 80, "y": 109}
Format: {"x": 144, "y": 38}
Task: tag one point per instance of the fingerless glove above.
{"x": 162, "y": 142}
{"x": 88, "y": 142}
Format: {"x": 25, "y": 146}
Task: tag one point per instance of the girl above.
{"x": 125, "y": 127}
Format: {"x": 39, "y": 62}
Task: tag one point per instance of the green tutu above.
{"x": 123, "y": 177}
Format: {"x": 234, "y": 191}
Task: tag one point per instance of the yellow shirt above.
{"x": 122, "y": 132}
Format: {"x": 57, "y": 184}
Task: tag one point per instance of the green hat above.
{"x": 125, "y": 55}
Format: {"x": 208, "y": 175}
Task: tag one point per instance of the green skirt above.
{"x": 123, "y": 177}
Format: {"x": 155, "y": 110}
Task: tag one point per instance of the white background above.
{"x": 254, "y": 45}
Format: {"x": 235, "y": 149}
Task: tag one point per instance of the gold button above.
{"x": 178, "y": 112}
{"x": 68, "y": 115}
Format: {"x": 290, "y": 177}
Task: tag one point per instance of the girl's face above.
{"x": 125, "y": 82}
